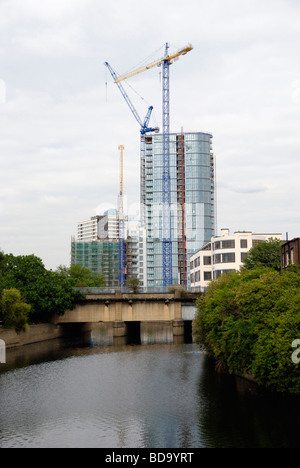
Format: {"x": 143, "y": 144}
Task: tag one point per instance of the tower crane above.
{"x": 143, "y": 124}
{"x": 165, "y": 61}
{"x": 122, "y": 261}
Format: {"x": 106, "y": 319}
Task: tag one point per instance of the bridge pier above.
{"x": 119, "y": 329}
{"x": 178, "y": 327}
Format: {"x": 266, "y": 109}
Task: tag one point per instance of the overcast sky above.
{"x": 62, "y": 118}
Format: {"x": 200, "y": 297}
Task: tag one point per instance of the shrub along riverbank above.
{"x": 31, "y": 294}
{"x": 248, "y": 321}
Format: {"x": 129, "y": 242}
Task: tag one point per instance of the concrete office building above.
{"x": 192, "y": 202}
{"x": 223, "y": 254}
{"x": 99, "y": 227}
{"x": 97, "y": 246}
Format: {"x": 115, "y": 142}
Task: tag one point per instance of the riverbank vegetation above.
{"x": 29, "y": 293}
{"x": 82, "y": 277}
{"x": 248, "y": 320}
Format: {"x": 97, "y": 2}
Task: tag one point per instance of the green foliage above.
{"x": 265, "y": 254}
{"x": 14, "y": 311}
{"x": 83, "y": 277}
{"x": 248, "y": 320}
{"x": 176, "y": 287}
{"x": 133, "y": 284}
{"x": 47, "y": 292}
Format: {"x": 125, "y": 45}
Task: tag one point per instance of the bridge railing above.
{"x": 126, "y": 290}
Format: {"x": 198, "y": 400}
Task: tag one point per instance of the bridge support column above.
{"x": 119, "y": 329}
{"x": 178, "y": 327}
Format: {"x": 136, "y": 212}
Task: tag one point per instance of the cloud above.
{"x": 245, "y": 188}
{"x": 61, "y": 125}
{"x": 52, "y": 41}
{"x": 296, "y": 91}
{"x": 2, "y": 92}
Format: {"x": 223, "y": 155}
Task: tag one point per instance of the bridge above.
{"x": 125, "y": 310}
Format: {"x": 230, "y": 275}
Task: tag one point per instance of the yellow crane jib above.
{"x": 156, "y": 63}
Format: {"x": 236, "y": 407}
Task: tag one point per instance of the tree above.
{"x": 133, "y": 284}
{"x": 265, "y": 254}
{"x": 46, "y": 291}
{"x": 14, "y": 311}
{"x": 248, "y": 321}
{"x": 83, "y": 277}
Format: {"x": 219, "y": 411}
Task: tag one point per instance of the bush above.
{"x": 248, "y": 320}
{"x": 47, "y": 292}
{"x": 13, "y": 310}
{"x": 133, "y": 284}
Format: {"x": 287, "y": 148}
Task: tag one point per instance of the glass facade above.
{"x": 191, "y": 198}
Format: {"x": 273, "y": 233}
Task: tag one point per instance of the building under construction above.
{"x": 100, "y": 257}
{"x": 177, "y": 195}
{"x": 192, "y": 202}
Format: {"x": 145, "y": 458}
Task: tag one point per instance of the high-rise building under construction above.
{"x": 191, "y": 199}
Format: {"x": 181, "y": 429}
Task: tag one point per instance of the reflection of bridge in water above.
{"x": 141, "y": 315}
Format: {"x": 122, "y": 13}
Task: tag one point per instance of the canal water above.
{"x": 157, "y": 393}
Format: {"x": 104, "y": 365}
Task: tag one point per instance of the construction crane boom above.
{"x": 143, "y": 125}
{"x": 156, "y": 63}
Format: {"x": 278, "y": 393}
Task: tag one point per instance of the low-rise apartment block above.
{"x": 223, "y": 254}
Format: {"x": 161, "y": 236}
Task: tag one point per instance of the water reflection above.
{"x": 138, "y": 333}
{"x": 103, "y": 392}
{"x": 236, "y": 413}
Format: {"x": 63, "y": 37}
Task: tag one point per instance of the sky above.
{"x": 62, "y": 118}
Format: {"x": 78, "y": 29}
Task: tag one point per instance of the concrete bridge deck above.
{"x": 121, "y": 309}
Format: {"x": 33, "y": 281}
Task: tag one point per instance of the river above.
{"x": 155, "y": 394}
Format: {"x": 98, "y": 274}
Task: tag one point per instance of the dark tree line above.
{"x": 29, "y": 293}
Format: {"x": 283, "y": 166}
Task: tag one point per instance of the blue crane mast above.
{"x": 122, "y": 246}
{"x": 166, "y": 181}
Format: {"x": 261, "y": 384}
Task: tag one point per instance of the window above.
{"x": 292, "y": 257}
{"x": 217, "y": 273}
{"x": 207, "y": 275}
{"x": 224, "y": 258}
{"x": 207, "y": 260}
{"x": 243, "y": 256}
{"x": 228, "y": 257}
{"x": 244, "y": 244}
{"x": 217, "y": 258}
{"x": 228, "y": 244}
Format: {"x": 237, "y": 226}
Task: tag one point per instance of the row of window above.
{"x": 229, "y": 257}
{"x": 207, "y": 275}
{"x": 195, "y": 277}
{"x": 229, "y": 244}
